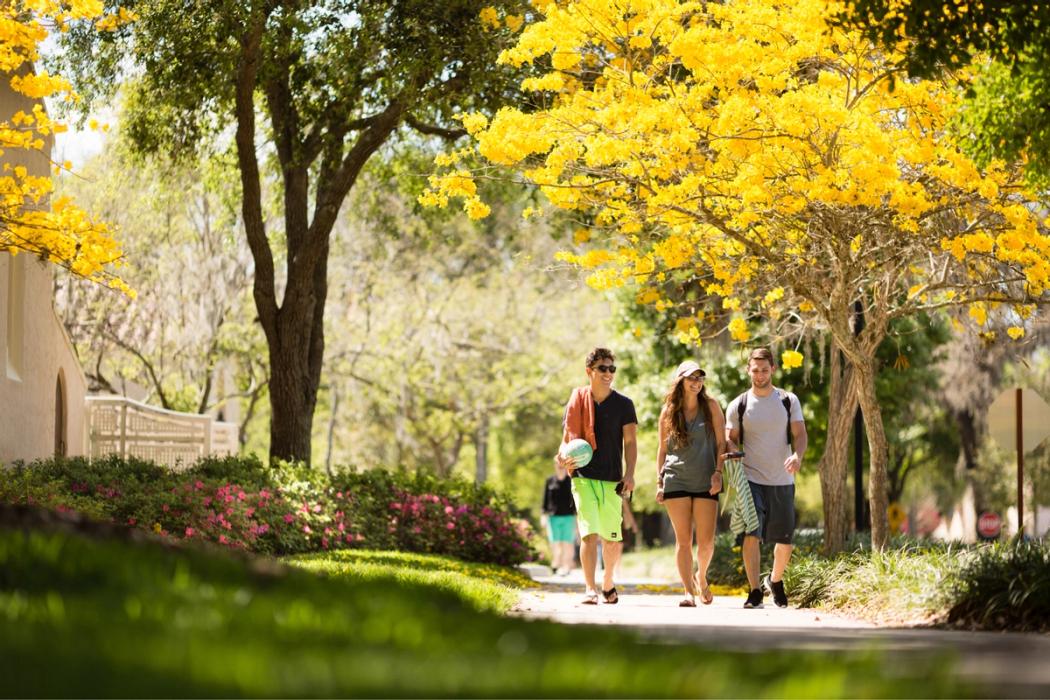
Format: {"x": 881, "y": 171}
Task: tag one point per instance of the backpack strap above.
{"x": 786, "y": 400}
{"x": 740, "y": 408}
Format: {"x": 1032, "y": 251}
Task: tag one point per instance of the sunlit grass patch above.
{"x": 100, "y": 617}
{"x": 485, "y": 586}
{"x": 898, "y": 585}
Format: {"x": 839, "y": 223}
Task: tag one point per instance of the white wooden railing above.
{"x": 117, "y": 425}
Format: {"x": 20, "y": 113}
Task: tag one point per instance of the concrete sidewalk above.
{"x": 1007, "y": 664}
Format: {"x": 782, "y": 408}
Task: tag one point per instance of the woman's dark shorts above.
{"x": 690, "y": 494}
{"x": 775, "y": 506}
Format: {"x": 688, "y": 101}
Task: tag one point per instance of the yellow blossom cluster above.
{"x": 790, "y": 359}
{"x": 490, "y": 19}
{"x": 56, "y": 231}
{"x": 763, "y": 153}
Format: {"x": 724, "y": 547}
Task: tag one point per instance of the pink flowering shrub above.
{"x": 438, "y": 525}
{"x": 243, "y": 504}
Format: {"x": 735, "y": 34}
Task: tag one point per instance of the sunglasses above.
{"x": 611, "y": 369}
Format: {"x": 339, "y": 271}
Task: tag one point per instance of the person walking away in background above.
{"x": 559, "y": 510}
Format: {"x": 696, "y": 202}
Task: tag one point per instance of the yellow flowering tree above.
{"x": 54, "y": 230}
{"x": 748, "y": 153}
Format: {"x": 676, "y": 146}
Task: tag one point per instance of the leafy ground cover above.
{"x": 239, "y": 502}
{"x": 115, "y": 612}
{"x": 1001, "y": 586}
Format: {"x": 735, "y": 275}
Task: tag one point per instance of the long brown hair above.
{"x": 674, "y": 413}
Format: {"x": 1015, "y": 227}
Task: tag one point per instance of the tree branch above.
{"x": 433, "y": 130}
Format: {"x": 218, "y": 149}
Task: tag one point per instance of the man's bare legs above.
{"x": 781, "y": 556}
{"x": 611, "y": 552}
{"x": 589, "y": 561}
{"x": 753, "y": 560}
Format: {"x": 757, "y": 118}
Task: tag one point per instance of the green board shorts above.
{"x": 599, "y": 509}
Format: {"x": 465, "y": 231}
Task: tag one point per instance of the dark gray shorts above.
{"x": 775, "y": 506}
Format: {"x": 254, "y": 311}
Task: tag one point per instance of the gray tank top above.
{"x": 689, "y": 467}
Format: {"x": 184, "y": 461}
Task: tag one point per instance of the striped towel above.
{"x": 738, "y": 497}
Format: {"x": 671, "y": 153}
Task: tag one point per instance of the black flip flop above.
{"x": 610, "y": 596}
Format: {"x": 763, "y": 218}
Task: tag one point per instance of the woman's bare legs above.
{"x": 681, "y": 514}
{"x": 705, "y": 515}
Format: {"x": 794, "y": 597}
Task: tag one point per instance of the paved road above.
{"x": 1007, "y": 664}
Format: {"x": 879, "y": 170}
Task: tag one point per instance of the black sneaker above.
{"x": 754, "y": 598}
{"x": 776, "y": 589}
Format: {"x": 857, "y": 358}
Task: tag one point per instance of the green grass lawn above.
{"x": 96, "y": 617}
{"x": 483, "y": 586}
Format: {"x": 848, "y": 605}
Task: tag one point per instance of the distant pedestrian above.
{"x": 766, "y": 423}
{"x": 689, "y": 461}
{"x": 606, "y": 419}
{"x": 559, "y": 510}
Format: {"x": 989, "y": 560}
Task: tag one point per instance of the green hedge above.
{"x": 283, "y": 509}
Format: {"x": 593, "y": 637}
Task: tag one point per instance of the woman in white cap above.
{"x": 689, "y": 472}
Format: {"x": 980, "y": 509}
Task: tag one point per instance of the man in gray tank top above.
{"x": 766, "y": 423}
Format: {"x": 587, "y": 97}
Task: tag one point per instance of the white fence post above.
{"x": 123, "y": 450}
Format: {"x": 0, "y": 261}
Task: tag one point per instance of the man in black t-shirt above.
{"x": 606, "y": 419}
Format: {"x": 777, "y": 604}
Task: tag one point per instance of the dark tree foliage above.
{"x": 306, "y": 90}
{"x": 950, "y": 35}
{"x": 1007, "y": 111}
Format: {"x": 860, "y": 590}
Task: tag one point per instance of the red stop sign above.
{"x": 989, "y": 524}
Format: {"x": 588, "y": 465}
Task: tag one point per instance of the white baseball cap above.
{"x": 686, "y": 368}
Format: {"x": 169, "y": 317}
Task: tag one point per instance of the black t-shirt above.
{"x": 610, "y": 416}
{"x": 557, "y": 497}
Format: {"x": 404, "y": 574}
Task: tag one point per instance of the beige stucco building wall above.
{"x": 42, "y": 386}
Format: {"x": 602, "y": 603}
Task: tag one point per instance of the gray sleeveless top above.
{"x": 689, "y": 467}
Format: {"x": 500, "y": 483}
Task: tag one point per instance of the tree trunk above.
{"x": 295, "y": 328}
{"x": 833, "y": 466}
{"x": 331, "y": 428}
{"x": 481, "y": 451}
{"x": 293, "y": 397}
{"x": 877, "y": 449}
{"x": 972, "y": 501}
